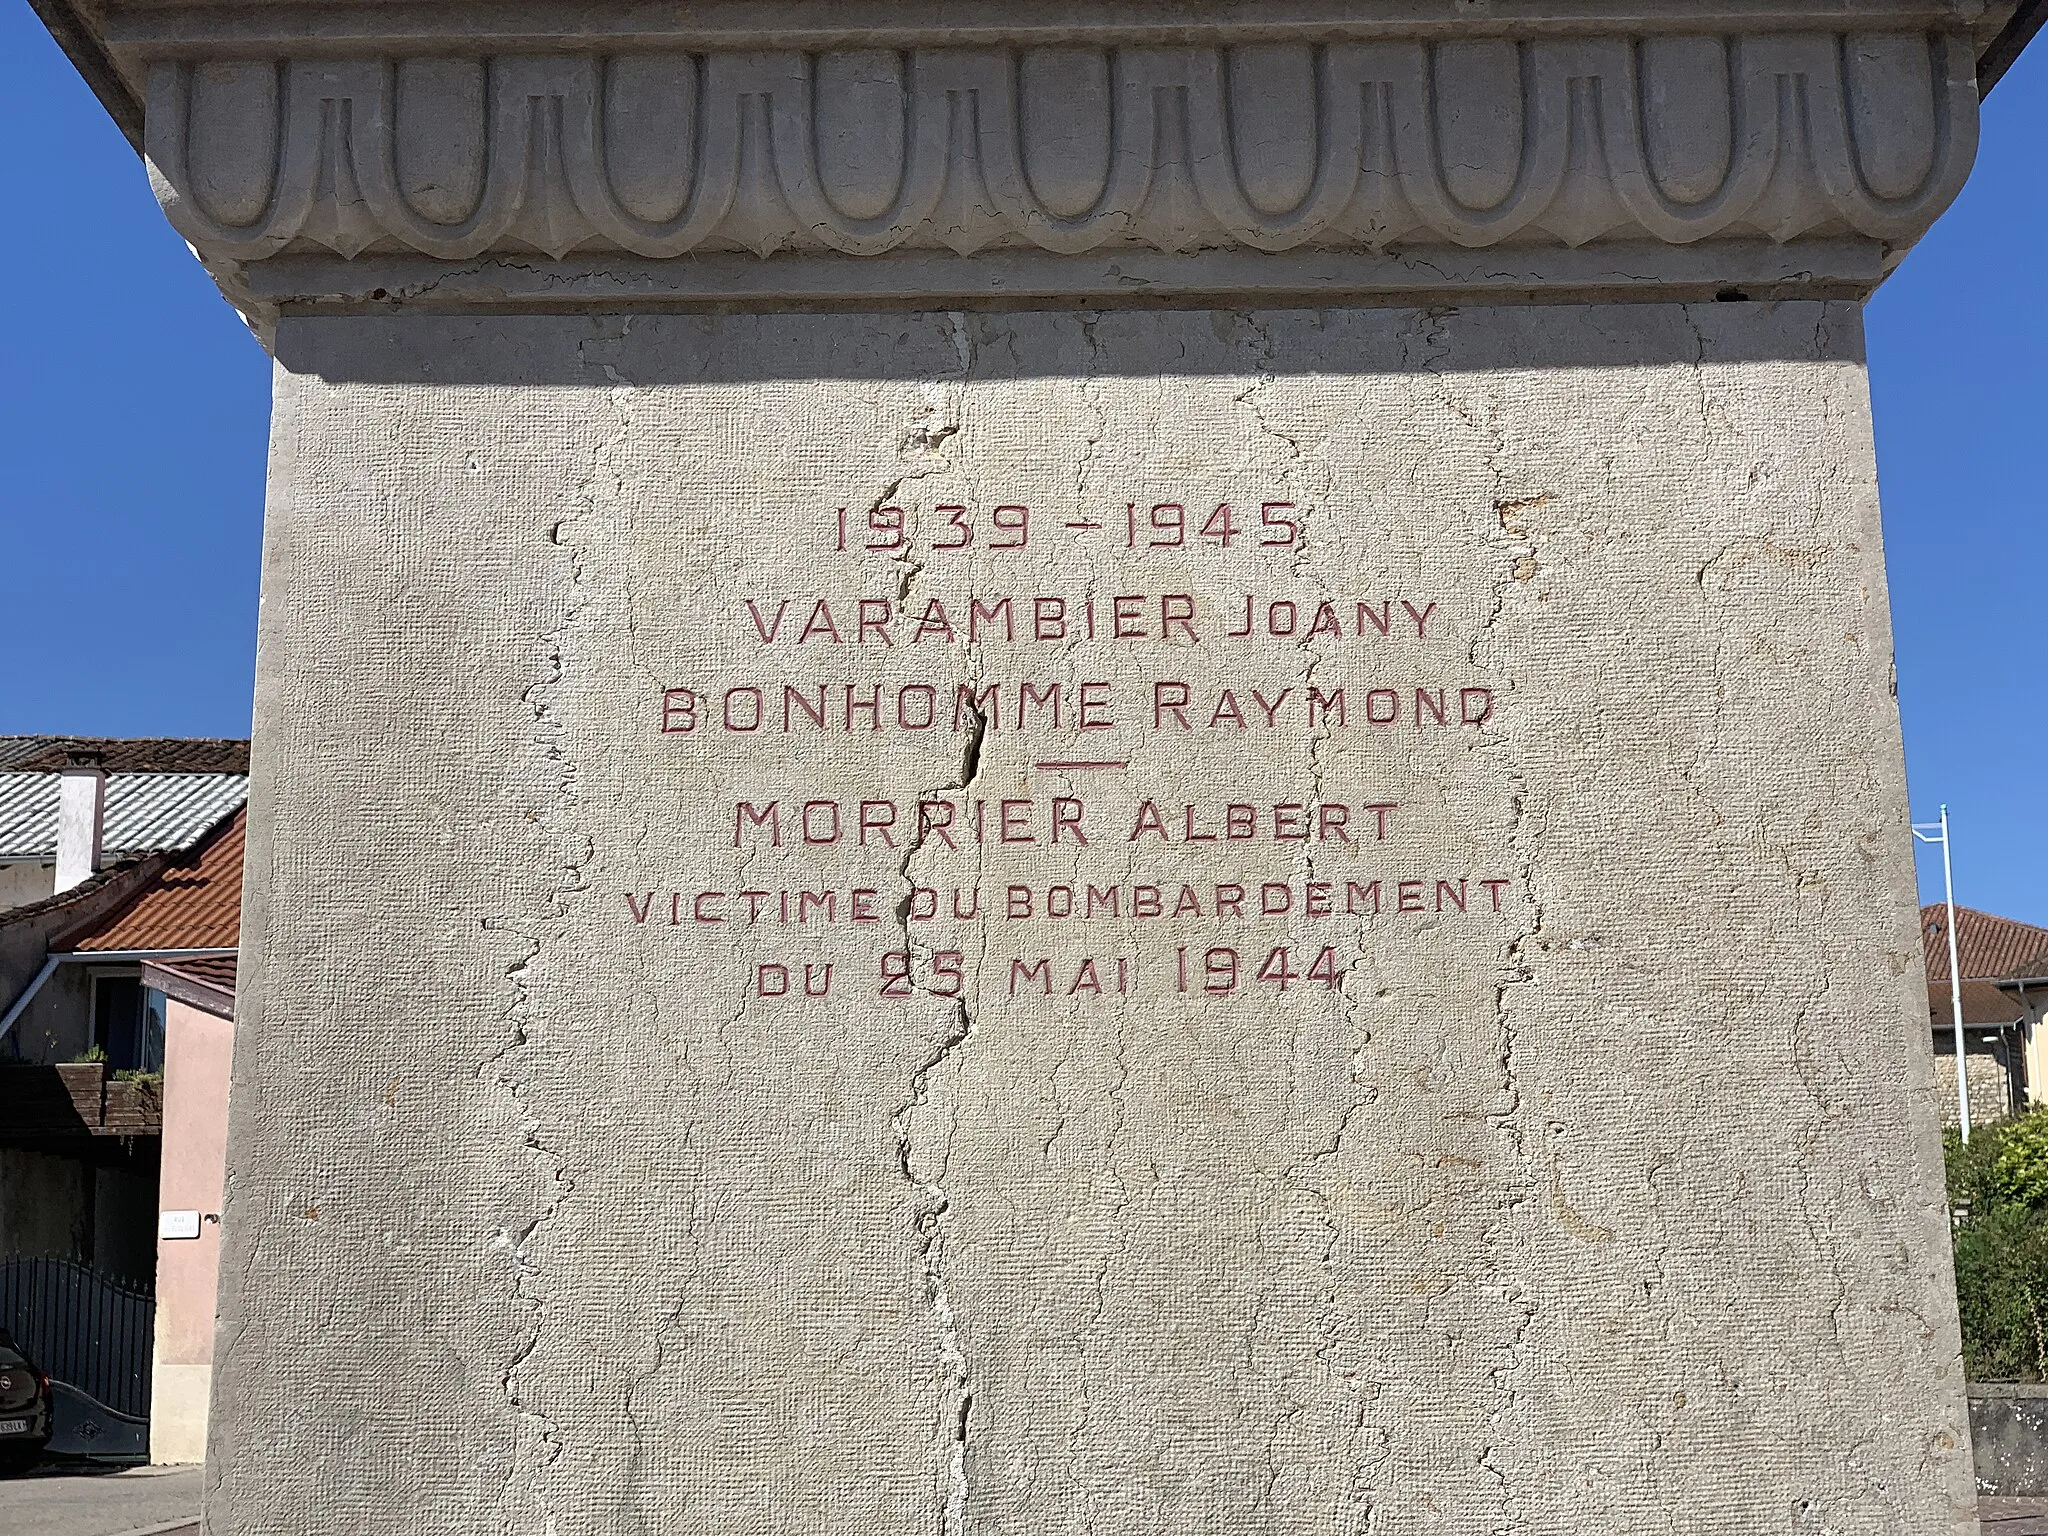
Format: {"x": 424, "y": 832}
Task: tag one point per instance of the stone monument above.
{"x": 1073, "y": 767}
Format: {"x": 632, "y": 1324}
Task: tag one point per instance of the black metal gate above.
{"x": 83, "y": 1327}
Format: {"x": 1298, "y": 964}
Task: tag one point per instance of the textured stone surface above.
{"x": 870, "y": 154}
{"x": 1615, "y": 1209}
{"x": 1069, "y": 149}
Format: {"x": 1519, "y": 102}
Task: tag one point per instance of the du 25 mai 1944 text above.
{"x": 1076, "y": 885}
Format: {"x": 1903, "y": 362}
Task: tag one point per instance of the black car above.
{"x": 24, "y": 1409}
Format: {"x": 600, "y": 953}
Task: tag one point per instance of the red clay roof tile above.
{"x": 1986, "y": 946}
{"x": 193, "y": 902}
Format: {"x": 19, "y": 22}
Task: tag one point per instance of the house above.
{"x": 2027, "y": 985}
{"x": 120, "y": 910}
{"x": 2006, "y": 1062}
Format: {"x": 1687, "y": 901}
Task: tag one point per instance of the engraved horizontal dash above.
{"x": 1058, "y": 765}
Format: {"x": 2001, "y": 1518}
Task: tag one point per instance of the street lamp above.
{"x": 1937, "y": 832}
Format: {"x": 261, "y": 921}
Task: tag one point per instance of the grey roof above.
{"x": 125, "y": 754}
{"x": 146, "y": 812}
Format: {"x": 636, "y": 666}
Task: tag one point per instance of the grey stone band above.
{"x": 1133, "y": 169}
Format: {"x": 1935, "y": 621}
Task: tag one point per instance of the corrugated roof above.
{"x": 193, "y": 902}
{"x": 146, "y": 812}
{"x": 126, "y": 754}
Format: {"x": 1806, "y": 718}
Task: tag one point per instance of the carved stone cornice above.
{"x": 1109, "y": 153}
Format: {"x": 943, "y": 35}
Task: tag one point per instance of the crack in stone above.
{"x": 518, "y": 1015}
{"x": 929, "y": 1225}
{"x": 954, "y": 1420}
{"x": 1518, "y": 971}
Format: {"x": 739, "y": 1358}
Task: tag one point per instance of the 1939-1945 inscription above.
{"x": 1092, "y": 683}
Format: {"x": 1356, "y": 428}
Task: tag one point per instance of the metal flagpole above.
{"x": 1925, "y": 831}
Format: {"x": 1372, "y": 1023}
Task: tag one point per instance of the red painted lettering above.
{"x": 1040, "y": 971}
{"x": 871, "y": 706}
{"x": 874, "y": 617}
{"x": 1094, "y": 708}
{"x": 877, "y": 816}
{"x": 678, "y": 711}
{"x": 979, "y": 612}
{"x": 820, "y": 623}
{"x": 1014, "y": 820}
{"x": 1066, "y": 817}
{"x": 761, "y": 816}
{"x": 928, "y": 820}
{"x": 821, "y": 831}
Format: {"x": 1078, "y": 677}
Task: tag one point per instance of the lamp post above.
{"x": 1937, "y": 832}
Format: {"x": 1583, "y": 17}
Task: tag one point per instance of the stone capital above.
{"x": 766, "y": 155}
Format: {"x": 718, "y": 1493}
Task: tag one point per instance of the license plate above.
{"x": 13, "y": 1426}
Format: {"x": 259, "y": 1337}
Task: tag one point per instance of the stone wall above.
{"x": 1995, "y": 1088}
{"x": 1595, "y": 1189}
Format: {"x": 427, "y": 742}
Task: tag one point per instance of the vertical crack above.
{"x": 925, "y": 1173}
{"x": 504, "y": 1067}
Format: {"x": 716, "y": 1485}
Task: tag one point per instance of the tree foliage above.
{"x": 1998, "y": 1185}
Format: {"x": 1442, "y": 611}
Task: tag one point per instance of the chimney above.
{"x": 81, "y": 817}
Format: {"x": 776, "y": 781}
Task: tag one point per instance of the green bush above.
{"x": 1998, "y": 1185}
{"x": 2020, "y": 1165}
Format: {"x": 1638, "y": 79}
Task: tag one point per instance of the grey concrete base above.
{"x": 2009, "y": 1438}
{"x": 2012, "y": 1517}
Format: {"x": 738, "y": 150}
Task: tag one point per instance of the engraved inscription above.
{"x": 1077, "y": 663}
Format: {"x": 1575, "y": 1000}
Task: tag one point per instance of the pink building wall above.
{"x": 197, "y": 1047}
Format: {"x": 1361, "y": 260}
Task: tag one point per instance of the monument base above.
{"x": 1165, "y": 921}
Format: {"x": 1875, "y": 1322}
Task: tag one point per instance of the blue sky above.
{"x": 133, "y": 411}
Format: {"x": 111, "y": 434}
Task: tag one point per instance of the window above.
{"x": 128, "y": 1024}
